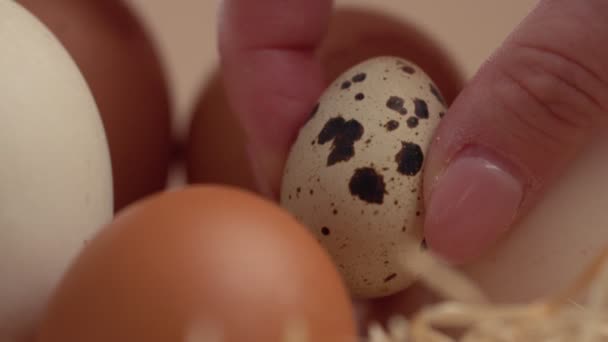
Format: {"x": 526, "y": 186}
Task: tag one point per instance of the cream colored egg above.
{"x": 55, "y": 172}
{"x": 354, "y": 173}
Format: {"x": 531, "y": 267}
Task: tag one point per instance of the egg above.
{"x": 123, "y": 69}
{"x": 216, "y": 142}
{"x": 215, "y": 146}
{"x": 353, "y": 175}
{"x": 200, "y": 260}
{"x": 55, "y": 169}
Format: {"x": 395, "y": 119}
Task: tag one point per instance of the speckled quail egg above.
{"x": 354, "y": 173}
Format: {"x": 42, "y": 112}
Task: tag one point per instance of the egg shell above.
{"x": 55, "y": 172}
{"x": 200, "y": 259}
{"x": 354, "y": 174}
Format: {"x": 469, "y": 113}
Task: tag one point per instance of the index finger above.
{"x": 271, "y": 75}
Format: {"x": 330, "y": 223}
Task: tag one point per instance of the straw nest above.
{"x": 466, "y": 309}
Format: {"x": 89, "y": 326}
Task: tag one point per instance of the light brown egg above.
{"x": 215, "y": 151}
{"x": 120, "y": 64}
{"x": 216, "y": 143}
{"x": 204, "y": 259}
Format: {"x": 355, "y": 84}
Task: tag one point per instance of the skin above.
{"x": 516, "y": 125}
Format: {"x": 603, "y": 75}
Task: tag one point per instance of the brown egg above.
{"x": 215, "y": 150}
{"x": 197, "y": 260}
{"x": 216, "y": 142}
{"x": 119, "y": 62}
{"x": 357, "y": 34}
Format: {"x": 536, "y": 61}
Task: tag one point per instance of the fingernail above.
{"x": 474, "y": 202}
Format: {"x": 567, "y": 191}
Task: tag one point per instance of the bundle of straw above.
{"x": 556, "y": 318}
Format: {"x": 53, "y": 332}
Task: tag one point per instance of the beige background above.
{"x": 550, "y": 246}
{"x": 185, "y": 32}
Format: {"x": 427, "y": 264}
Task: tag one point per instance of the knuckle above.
{"x": 553, "y": 95}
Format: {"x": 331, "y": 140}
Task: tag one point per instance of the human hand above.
{"x": 507, "y": 136}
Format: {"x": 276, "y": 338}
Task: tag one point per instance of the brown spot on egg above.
{"x": 409, "y": 159}
{"x": 421, "y": 109}
{"x": 437, "y": 94}
{"x": 335, "y": 212}
{"x": 368, "y": 185}
{"x": 325, "y": 231}
{"x": 423, "y": 245}
{"x": 390, "y": 277}
{"x": 441, "y": 114}
{"x": 391, "y": 125}
{"x": 396, "y": 103}
{"x": 408, "y": 69}
{"x": 359, "y": 77}
{"x": 412, "y": 122}
{"x": 359, "y": 96}
{"x": 344, "y": 135}
{"x": 345, "y": 85}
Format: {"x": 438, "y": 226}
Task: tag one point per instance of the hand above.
{"x": 516, "y": 125}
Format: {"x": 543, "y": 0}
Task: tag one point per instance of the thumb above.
{"x": 521, "y": 120}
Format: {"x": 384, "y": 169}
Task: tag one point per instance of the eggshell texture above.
{"x": 55, "y": 172}
{"x": 199, "y": 258}
{"x": 119, "y": 62}
{"x": 354, "y": 173}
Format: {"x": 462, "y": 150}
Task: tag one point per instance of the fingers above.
{"x": 518, "y": 124}
{"x": 271, "y": 76}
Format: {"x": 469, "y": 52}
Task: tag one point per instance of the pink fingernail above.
{"x": 473, "y": 204}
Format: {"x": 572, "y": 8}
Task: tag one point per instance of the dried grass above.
{"x": 556, "y": 318}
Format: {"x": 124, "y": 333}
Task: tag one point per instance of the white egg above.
{"x": 354, "y": 174}
{"x": 55, "y": 172}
